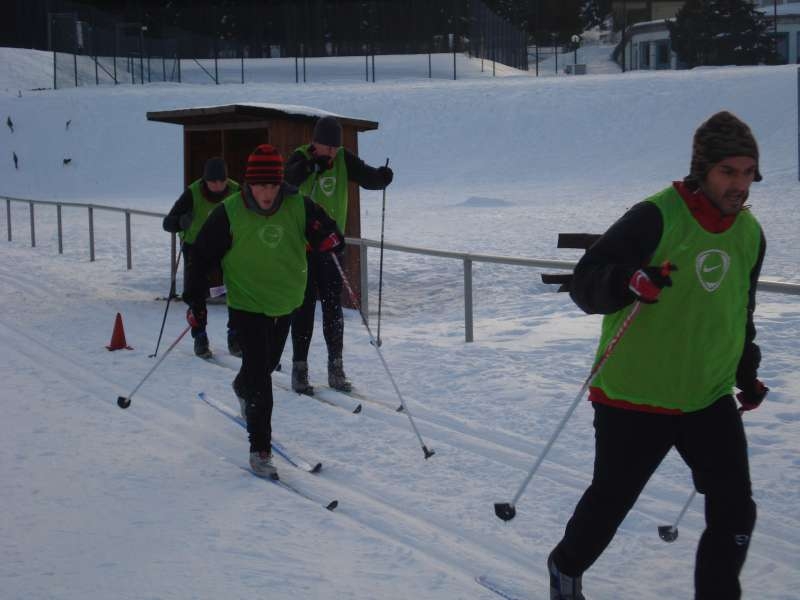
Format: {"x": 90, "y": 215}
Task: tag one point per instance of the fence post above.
{"x": 33, "y": 228}
{"x": 60, "y": 236}
{"x": 468, "y": 299}
{"x": 362, "y": 251}
{"x": 8, "y": 218}
{"x": 128, "y": 238}
{"x": 91, "y": 234}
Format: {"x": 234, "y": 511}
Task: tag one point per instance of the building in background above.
{"x": 647, "y": 43}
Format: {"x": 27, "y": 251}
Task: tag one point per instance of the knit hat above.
{"x": 264, "y": 165}
{"x": 328, "y": 131}
{"x": 723, "y": 135}
{"x": 215, "y": 170}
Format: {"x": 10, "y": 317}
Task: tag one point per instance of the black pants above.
{"x": 323, "y": 279}
{"x": 262, "y": 339}
{"x": 629, "y": 446}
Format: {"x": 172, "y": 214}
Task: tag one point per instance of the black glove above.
{"x": 387, "y": 174}
{"x": 185, "y": 221}
{"x": 323, "y": 163}
{"x": 752, "y": 395}
{"x": 197, "y": 317}
{"x": 648, "y": 282}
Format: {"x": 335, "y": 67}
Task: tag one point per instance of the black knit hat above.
{"x": 215, "y": 170}
{"x": 723, "y": 135}
{"x": 264, "y": 165}
{"x": 328, "y": 131}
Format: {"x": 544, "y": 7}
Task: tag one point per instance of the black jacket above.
{"x": 600, "y": 280}
{"x": 298, "y": 168}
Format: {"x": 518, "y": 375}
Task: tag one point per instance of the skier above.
{"x": 670, "y": 379}
{"x": 186, "y": 218}
{"x": 259, "y": 235}
{"x": 322, "y": 170}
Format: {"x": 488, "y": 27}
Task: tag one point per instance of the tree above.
{"x": 721, "y": 32}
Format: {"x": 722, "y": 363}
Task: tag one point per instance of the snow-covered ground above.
{"x": 150, "y": 502}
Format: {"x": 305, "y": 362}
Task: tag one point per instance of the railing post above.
{"x": 362, "y": 251}
{"x": 60, "y": 234}
{"x": 8, "y": 217}
{"x": 33, "y": 228}
{"x": 128, "y": 238}
{"x": 91, "y": 234}
{"x": 468, "y": 299}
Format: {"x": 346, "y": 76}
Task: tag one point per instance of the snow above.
{"x": 150, "y": 502}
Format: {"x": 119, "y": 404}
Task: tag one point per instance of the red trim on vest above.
{"x": 705, "y": 213}
{"x": 597, "y": 395}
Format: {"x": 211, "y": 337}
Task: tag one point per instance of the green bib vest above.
{"x": 682, "y": 352}
{"x": 265, "y": 269}
{"x": 329, "y": 188}
{"x": 201, "y": 208}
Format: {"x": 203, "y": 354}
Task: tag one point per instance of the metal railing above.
{"x": 467, "y": 259}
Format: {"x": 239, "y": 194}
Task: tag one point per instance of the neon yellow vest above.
{"x": 201, "y": 208}
{"x": 265, "y": 269}
{"x": 682, "y": 352}
{"x": 329, "y": 188}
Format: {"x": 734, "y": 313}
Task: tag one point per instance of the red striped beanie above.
{"x": 264, "y": 165}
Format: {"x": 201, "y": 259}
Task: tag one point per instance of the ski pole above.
{"x": 380, "y": 268}
{"x": 507, "y": 510}
{"x": 169, "y": 299}
{"x": 669, "y": 533}
{"x": 125, "y": 401}
{"x": 403, "y": 407}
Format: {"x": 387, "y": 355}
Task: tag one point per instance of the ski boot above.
{"x": 336, "y": 377}
{"x": 201, "y": 348}
{"x": 300, "y": 378}
{"x": 563, "y": 587}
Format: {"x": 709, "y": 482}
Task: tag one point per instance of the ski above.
{"x": 277, "y": 447}
{"x": 224, "y": 362}
{"x": 501, "y": 589}
{"x": 287, "y": 486}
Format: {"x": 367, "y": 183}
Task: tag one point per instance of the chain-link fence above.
{"x": 92, "y": 47}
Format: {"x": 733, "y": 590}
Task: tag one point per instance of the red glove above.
{"x": 196, "y": 317}
{"x": 751, "y": 397}
{"x": 333, "y": 242}
{"x": 648, "y": 282}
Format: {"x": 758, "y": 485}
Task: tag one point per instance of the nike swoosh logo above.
{"x": 709, "y": 269}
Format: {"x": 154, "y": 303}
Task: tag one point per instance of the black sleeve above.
{"x": 751, "y": 354}
{"x": 360, "y": 172}
{"x": 318, "y": 224}
{"x": 600, "y": 280}
{"x": 182, "y": 206}
{"x": 298, "y": 168}
{"x": 213, "y": 241}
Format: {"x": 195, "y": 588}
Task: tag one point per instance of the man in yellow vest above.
{"x": 322, "y": 170}
{"x": 260, "y": 236}
{"x": 187, "y": 216}
{"x": 669, "y": 380}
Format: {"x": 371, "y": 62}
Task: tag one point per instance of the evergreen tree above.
{"x": 721, "y": 32}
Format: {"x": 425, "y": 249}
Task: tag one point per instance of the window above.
{"x": 782, "y": 47}
{"x": 644, "y": 55}
{"x": 663, "y": 54}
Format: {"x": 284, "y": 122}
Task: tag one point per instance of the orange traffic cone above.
{"x": 118, "y": 336}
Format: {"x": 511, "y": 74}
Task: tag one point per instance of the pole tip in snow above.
{"x": 123, "y": 402}
{"x": 428, "y": 453}
{"x": 505, "y": 510}
{"x": 668, "y": 533}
